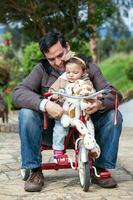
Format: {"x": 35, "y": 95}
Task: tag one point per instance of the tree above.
{"x": 116, "y": 37}
{"x": 116, "y": 26}
{"x": 39, "y": 16}
{"x": 98, "y": 12}
{"x": 106, "y": 47}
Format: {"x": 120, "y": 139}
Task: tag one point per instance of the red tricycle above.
{"x": 83, "y": 158}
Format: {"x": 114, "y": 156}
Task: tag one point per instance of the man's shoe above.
{"x": 35, "y": 181}
{"x": 104, "y": 182}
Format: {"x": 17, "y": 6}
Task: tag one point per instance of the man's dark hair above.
{"x": 50, "y": 39}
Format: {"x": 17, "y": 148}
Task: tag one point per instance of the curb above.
{"x": 9, "y": 128}
{"x": 13, "y": 128}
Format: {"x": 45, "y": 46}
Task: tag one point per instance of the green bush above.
{"x": 7, "y": 52}
{"x": 129, "y": 71}
{"x": 10, "y": 75}
{"x": 30, "y": 57}
{"x": 129, "y": 94}
{"x": 110, "y": 46}
{"x": 113, "y": 69}
{"x": 4, "y": 76}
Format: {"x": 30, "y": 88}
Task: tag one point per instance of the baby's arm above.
{"x": 58, "y": 84}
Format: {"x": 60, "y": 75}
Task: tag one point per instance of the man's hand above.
{"x": 54, "y": 109}
{"x": 94, "y": 106}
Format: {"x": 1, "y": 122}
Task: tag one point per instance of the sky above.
{"x": 129, "y": 20}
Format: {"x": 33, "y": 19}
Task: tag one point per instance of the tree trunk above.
{"x": 93, "y": 37}
{"x": 94, "y": 46}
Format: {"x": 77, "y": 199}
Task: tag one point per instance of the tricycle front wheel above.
{"x": 84, "y": 173}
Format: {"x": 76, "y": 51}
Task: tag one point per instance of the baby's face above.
{"x": 73, "y": 72}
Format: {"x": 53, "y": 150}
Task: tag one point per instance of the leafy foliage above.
{"x": 99, "y": 11}
{"x": 72, "y": 18}
{"x": 37, "y": 16}
{"x": 6, "y": 52}
{"x": 30, "y": 57}
{"x": 80, "y": 45}
{"x": 76, "y": 19}
{"x": 6, "y": 81}
{"x": 110, "y": 46}
{"x": 129, "y": 71}
{"x": 4, "y": 76}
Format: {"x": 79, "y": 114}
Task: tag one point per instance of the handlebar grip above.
{"x": 45, "y": 120}
{"x": 47, "y": 94}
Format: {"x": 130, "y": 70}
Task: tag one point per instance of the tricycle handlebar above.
{"x": 104, "y": 91}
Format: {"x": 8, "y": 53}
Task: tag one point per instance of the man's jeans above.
{"x": 32, "y": 135}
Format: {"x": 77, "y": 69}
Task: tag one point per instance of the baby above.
{"x": 75, "y": 82}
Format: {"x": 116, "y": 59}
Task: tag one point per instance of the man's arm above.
{"x": 99, "y": 83}
{"x": 58, "y": 84}
{"x": 27, "y": 93}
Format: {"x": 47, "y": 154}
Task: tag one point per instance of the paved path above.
{"x": 127, "y": 111}
{"x": 63, "y": 184}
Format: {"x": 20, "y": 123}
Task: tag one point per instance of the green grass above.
{"x": 113, "y": 69}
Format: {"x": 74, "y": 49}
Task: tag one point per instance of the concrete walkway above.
{"x": 63, "y": 184}
{"x": 127, "y": 111}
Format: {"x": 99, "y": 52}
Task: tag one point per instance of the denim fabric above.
{"x": 107, "y": 136}
{"x": 32, "y": 135}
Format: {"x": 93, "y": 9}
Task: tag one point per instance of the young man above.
{"x": 29, "y": 97}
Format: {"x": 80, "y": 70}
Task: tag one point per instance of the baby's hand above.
{"x": 54, "y": 97}
{"x": 99, "y": 96}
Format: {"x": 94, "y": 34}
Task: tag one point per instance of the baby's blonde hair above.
{"x": 77, "y": 60}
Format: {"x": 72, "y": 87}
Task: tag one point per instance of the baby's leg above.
{"x": 59, "y": 133}
{"x": 65, "y": 120}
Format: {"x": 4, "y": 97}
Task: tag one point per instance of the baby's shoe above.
{"x": 60, "y": 157}
{"x": 58, "y": 153}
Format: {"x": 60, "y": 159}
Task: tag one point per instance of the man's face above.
{"x": 56, "y": 56}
